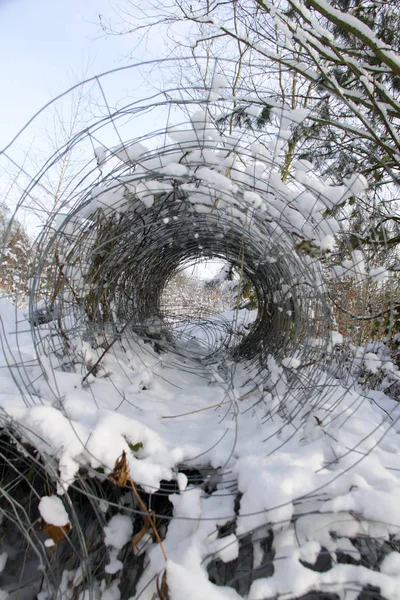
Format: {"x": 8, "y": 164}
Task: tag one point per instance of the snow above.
{"x": 182, "y": 482}
{"x": 114, "y": 564}
{"x": 290, "y": 362}
{"x": 112, "y": 592}
{"x": 253, "y": 110}
{"x": 328, "y": 243}
{"x": 3, "y": 561}
{"x": 52, "y": 511}
{"x": 391, "y": 564}
{"x": 199, "y": 119}
{"x": 227, "y": 548}
{"x": 101, "y": 154}
{"x": 372, "y": 362}
{"x": 129, "y": 154}
{"x": 219, "y": 81}
{"x": 214, "y": 178}
{"x": 175, "y": 169}
{"x": 336, "y": 337}
{"x": 356, "y": 267}
{"x": 356, "y": 184}
{"x": 117, "y": 532}
{"x": 277, "y": 471}
{"x": 253, "y": 198}
{"x": 184, "y": 583}
{"x": 379, "y": 273}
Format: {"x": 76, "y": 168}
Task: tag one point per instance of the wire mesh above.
{"x": 105, "y": 334}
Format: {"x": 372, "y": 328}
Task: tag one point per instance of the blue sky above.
{"x": 48, "y": 45}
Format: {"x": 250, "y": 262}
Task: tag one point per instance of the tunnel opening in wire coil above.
{"x": 113, "y": 265}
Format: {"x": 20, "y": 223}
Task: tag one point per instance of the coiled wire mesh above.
{"x": 138, "y": 209}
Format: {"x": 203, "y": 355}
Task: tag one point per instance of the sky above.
{"x": 46, "y": 46}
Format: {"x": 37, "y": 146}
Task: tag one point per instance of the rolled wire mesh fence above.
{"x": 161, "y": 445}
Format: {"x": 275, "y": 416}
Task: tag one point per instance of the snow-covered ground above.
{"x": 316, "y": 474}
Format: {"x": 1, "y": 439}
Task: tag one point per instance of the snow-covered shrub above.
{"x": 15, "y": 253}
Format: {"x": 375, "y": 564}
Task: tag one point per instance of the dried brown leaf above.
{"x": 162, "y": 590}
{"x": 55, "y": 532}
{"x": 319, "y": 422}
{"x": 120, "y": 474}
{"x": 140, "y": 535}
